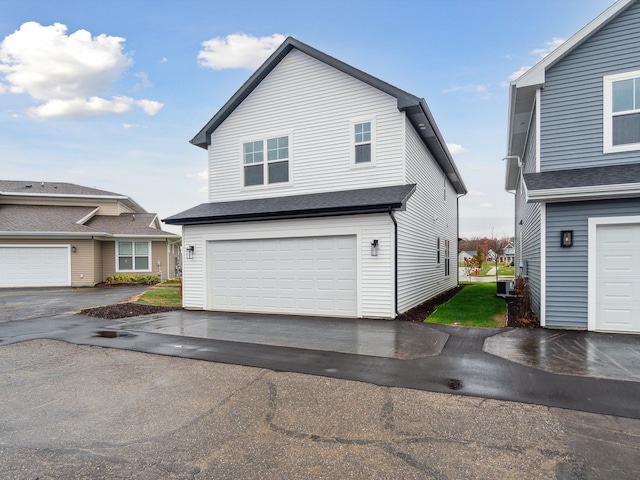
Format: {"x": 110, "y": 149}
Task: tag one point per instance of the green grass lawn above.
{"x": 165, "y": 297}
{"x": 475, "y": 306}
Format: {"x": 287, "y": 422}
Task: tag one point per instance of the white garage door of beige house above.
{"x": 304, "y": 276}
{"x": 34, "y": 266}
{"x": 618, "y": 278}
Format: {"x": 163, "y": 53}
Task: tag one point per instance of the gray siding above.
{"x": 572, "y": 98}
{"x": 567, "y": 268}
{"x": 528, "y": 234}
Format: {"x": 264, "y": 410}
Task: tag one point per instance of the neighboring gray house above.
{"x": 60, "y": 234}
{"x": 331, "y": 193}
{"x": 464, "y": 255}
{"x": 574, "y": 164}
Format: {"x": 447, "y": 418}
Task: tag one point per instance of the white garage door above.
{"x": 37, "y": 266}
{"x": 618, "y": 278}
{"x": 306, "y": 276}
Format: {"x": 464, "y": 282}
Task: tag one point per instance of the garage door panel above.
{"x": 618, "y": 278}
{"x": 287, "y": 275}
{"x": 34, "y": 266}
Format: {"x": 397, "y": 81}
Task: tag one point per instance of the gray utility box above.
{"x": 505, "y": 287}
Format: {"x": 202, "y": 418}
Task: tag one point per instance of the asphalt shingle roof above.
{"x": 583, "y": 177}
{"x": 60, "y": 219}
{"x": 348, "y": 202}
{"x": 56, "y": 188}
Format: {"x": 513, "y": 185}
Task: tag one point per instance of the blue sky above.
{"x": 115, "y": 108}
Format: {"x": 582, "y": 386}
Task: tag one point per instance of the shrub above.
{"x": 132, "y": 279}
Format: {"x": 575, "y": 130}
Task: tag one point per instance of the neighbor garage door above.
{"x": 306, "y": 276}
{"x": 37, "y": 266}
{"x": 618, "y": 278}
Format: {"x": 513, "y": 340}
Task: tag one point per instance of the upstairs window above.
{"x": 621, "y": 112}
{"x": 447, "y": 260}
{"x": 362, "y": 142}
{"x": 266, "y": 169}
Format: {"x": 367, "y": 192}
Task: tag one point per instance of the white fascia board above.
{"x": 86, "y": 218}
{"x": 512, "y": 171}
{"x": 593, "y": 192}
{"x": 536, "y": 74}
{"x": 147, "y": 237}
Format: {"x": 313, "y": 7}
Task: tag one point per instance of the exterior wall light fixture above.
{"x": 566, "y": 238}
{"x": 190, "y": 250}
{"x": 374, "y": 248}
{"x": 73, "y": 248}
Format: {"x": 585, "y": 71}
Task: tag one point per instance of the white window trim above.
{"x": 352, "y": 142}
{"x": 594, "y": 222}
{"x": 265, "y": 172}
{"x": 607, "y": 113}
{"x": 150, "y": 269}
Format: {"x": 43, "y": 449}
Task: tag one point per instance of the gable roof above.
{"x": 350, "y": 202}
{"x": 416, "y": 108}
{"x": 47, "y": 220}
{"x": 26, "y": 188}
{"x": 522, "y": 91}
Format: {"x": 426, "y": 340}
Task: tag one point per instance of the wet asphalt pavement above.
{"x": 454, "y": 360}
{"x": 70, "y": 410}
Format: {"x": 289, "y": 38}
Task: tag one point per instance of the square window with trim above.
{"x": 134, "y": 256}
{"x": 621, "y": 112}
{"x": 261, "y": 169}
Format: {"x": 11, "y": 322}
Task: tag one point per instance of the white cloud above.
{"x": 238, "y": 51}
{"x": 549, "y": 47}
{"x": 164, "y": 60}
{"x": 67, "y": 74}
{"x": 455, "y": 149}
{"x": 518, "y": 73}
{"x": 201, "y": 176}
{"x": 143, "y": 82}
{"x": 133, "y": 125}
{"x": 481, "y": 90}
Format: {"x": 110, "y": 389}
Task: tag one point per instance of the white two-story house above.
{"x": 574, "y": 165}
{"x": 331, "y": 193}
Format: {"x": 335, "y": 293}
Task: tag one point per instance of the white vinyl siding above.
{"x": 375, "y": 296}
{"x": 35, "y": 266}
{"x": 427, "y": 218}
{"x": 317, "y": 104}
{"x": 572, "y": 129}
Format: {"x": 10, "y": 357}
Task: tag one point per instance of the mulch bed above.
{"x": 514, "y": 321}
{"x": 422, "y": 311}
{"x": 124, "y": 310}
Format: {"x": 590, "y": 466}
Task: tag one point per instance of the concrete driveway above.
{"x": 25, "y": 303}
{"x": 72, "y": 411}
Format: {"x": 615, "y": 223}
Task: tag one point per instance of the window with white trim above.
{"x": 447, "y": 261}
{"x": 362, "y": 142}
{"x": 133, "y": 256}
{"x": 266, "y": 169}
{"x": 438, "y": 250}
{"x": 621, "y": 112}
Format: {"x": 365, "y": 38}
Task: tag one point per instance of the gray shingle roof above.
{"x": 56, "y": 188}
{"x": 583, "y": 177}
{"x": 31, "y": 218}
{"x": 348, "y": 202}
{"x": 36, "y": 219}
{"x": 127, "y": 224}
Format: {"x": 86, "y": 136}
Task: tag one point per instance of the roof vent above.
{"x": 133, "y": 218}
{"x": 28, "y": 186}
{"x": 42, "y": 184}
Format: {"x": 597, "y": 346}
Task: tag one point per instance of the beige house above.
{"x": 61, "y": 234}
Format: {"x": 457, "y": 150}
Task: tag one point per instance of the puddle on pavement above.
{"x": 454, "y": 384}
{"x": 112, "y": 334}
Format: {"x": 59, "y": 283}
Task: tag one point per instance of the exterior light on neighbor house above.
{"x": 566, "y": 238}
{"x": 190, "y": 250}
{"x": 374, "y": 248}
{"x": 73, "y": 248}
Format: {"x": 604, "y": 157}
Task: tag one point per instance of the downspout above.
{"x": 395, "y": 263}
